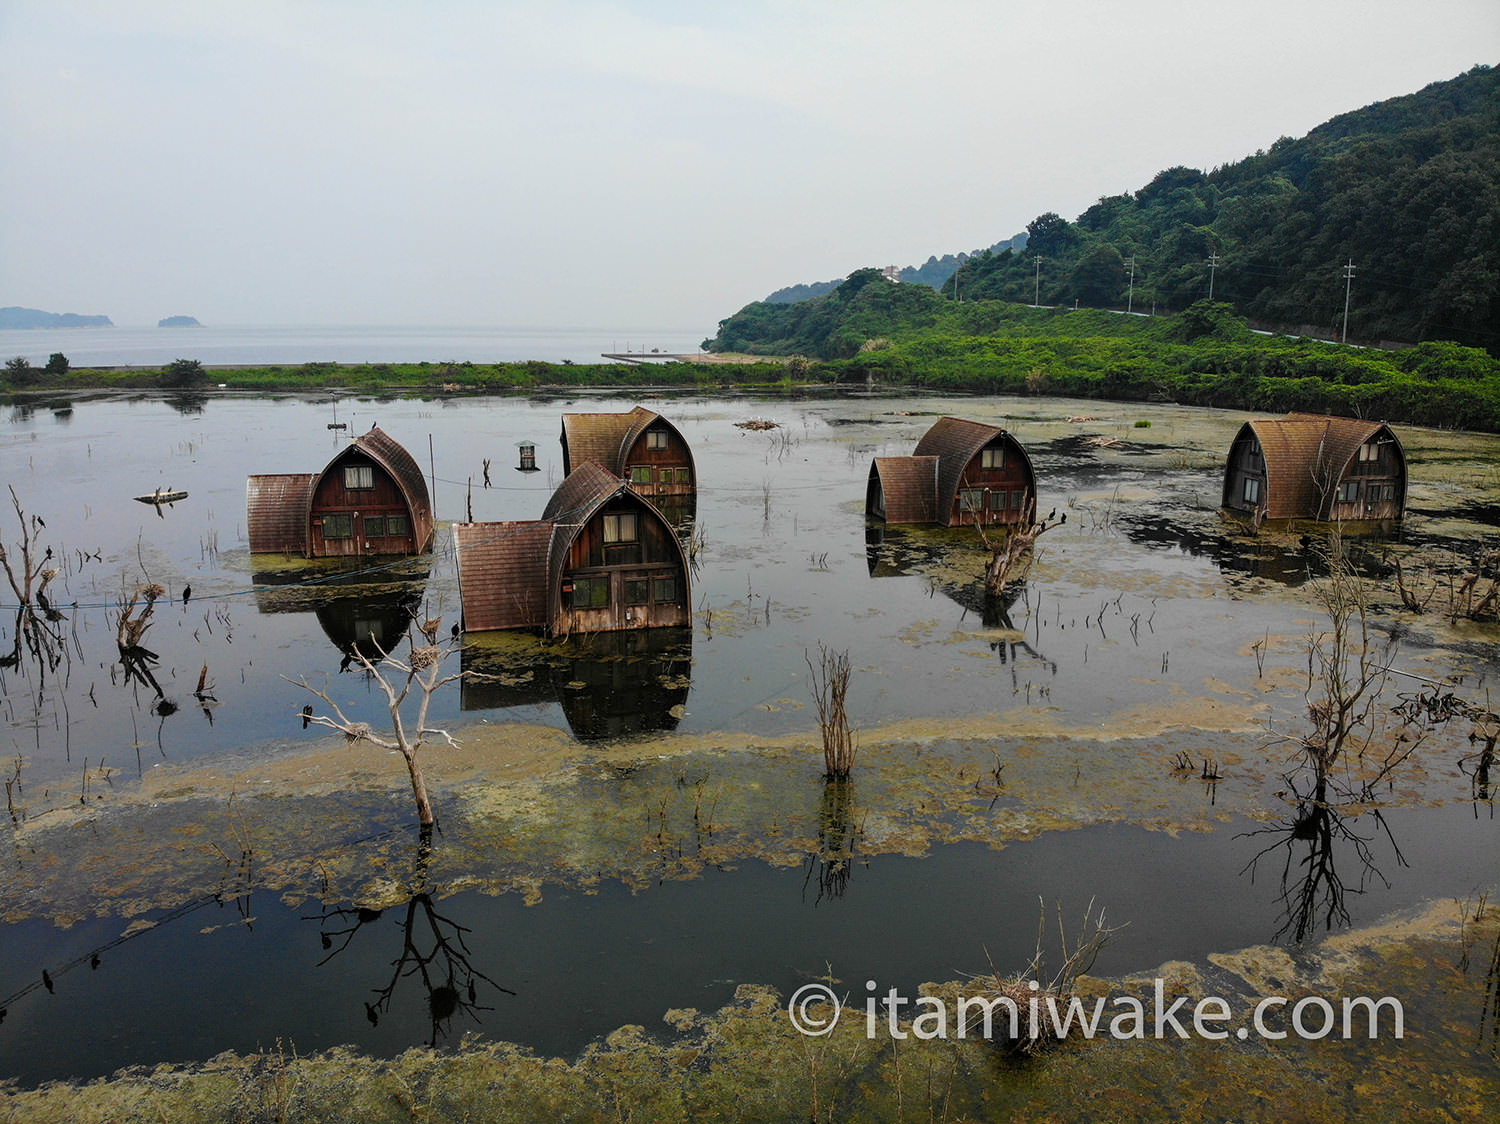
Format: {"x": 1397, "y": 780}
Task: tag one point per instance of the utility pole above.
{"x": 1130, "y": 299}
{"x": 1036, "y": 299}
{"x": 1213, "y": 264}
{"x": 1348, "y": 282}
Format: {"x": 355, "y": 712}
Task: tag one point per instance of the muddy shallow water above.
{"x": 627, "y": 830}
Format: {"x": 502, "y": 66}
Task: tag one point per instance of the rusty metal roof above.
{"x": 276, "y": 506}
{"x": 1306, "y": 456}
{"x": 909, "y": 487}
{"x": 956, "y": 441}
{"x": 502, "y": 574}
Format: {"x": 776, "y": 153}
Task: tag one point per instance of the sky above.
{"x": 626, "y": 164}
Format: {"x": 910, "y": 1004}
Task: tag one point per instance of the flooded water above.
{"x": 640, "y": 824}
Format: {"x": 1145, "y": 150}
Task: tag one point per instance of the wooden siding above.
{"x": 276, "y": 512}
{"x": 1309, "y": 462}
{"x": 364, "y": 507}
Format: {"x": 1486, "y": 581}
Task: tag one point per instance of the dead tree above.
{"x": 28, "y": 576}
{"x": 1011, "y": 558}
{"x": 421, "y": 672}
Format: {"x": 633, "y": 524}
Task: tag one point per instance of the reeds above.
{"x": 829, "y": 681}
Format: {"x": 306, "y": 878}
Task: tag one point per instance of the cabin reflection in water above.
{"x": 370, "y": 620}
{"x": 609, "y": 685}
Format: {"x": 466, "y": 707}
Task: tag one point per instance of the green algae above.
{"x": 746, "y": 1062}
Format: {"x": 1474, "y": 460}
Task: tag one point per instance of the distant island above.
{"x": 35, "y": 318}
{"x": 179, "y": 322}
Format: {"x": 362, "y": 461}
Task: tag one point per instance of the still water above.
{"x": 1014, "y": 751}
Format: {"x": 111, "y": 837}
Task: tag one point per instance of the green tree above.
{"x": 57, "y": 364}
{"x": 1048, "y": 234}
{"x": 1099, "y": 278}
{"x": 184, "y": 372}
{"x": 19, "y": 371}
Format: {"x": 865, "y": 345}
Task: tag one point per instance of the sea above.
{"x": 263, "y": 345}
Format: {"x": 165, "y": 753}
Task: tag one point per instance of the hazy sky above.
{"x": 627, "y": 164}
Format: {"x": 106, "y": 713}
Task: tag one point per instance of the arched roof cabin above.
{"x": 962, "y": 473}
{"x": 641, "y": 447}
{"x": 601, "y": 559}
{"x": 371, "y": 499}
{"x": 1315, "y": 467}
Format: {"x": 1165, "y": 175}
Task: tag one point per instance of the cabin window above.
{"x": 619, "y": 528}
{"x": 641, "y": 473}
{"x": 338, "y": 526}
{"x": 359, "y": 477}
{"x": 999, "y": 501}
{"x": 684, "y": 475}
{"x": 590, "y": 593}
{"x": 971, "y": 499}
{"x": 1376, "y": 493}
{"x": 637, "y": 591}
{"x": 656, "y": 438}
{"x": 374, "y": 526}
{"x": 1018, "y": 499}
{"x": 1349, "y": 491}
{"x": 1369, "y": 451}
{"x": 1253, "y": 452}
{"x": 992, "y": 457}
{"x": 1252, "y": 490}
{"x": 665, "y": 591}
{"x": 397, "y": 526}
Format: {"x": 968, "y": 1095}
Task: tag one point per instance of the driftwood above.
{"x": 1011, "y": 558}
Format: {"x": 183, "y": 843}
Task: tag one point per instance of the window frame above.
{"x": 656, "y": 439}
{"x": 614, "y": 529}
{"x": 338, "y": 525}
{"x": 992, "y": 457}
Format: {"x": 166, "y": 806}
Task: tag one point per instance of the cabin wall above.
{"x": 659, "y": 473}
{"x": 1371, "y": 488}
{"x": 352, "y": 522}
{"x": 1001, "y": 495}
{"x": 608, "y": 586}
{"x": 1246, "y": 463}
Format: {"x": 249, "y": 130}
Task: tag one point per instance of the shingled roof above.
{"x": 909, "y": 488}
{"x": 276, "y": 511}
{"x": 502, "y": 573}
{"x": 1306, "y": 455}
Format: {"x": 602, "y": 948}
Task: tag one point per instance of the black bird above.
{"x": 187, "y": 594}
{"x": 47, "y": 982}
{"x": 1051, "y": 515}
{"x": 1064, "y": 519}
{"x": 306, "y": 715}
{"x": 94, "y": 961}
{"x": 455, "y": 632}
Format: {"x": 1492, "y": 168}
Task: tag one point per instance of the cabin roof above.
{"x": 502, "y": 573}
{"x": 276, "y": 511}
{"x": 391, "y": 455}
{"x": 909, "y": 488}
{"x": 1306, "y": 455}
{"x": 955, "y": 442}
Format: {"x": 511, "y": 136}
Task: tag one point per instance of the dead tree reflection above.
{"x": 1311, "y": 844}
{"x": 433, "y": 951}
{"x": 38, "y": 639}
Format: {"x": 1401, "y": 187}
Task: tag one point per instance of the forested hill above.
{"x": 1407, "y": 190}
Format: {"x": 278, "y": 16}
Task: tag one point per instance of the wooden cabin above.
{"x": 641, "y": 447}
{"x": 600, "y": 559}
{"x": 962, "y": 473}
{"x": 1315, "y": 467}
{"x": 370, "y": 499}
